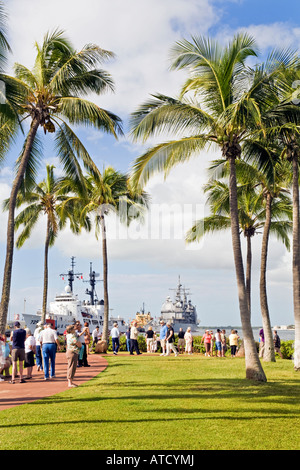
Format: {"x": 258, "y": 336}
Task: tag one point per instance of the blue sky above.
{"x": 141, "y": 33}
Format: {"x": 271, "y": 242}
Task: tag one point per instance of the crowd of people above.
{"x": 23, "y": 350}
{"x": 214, "y": 343}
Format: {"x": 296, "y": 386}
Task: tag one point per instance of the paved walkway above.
{"x": 37, "y": 388}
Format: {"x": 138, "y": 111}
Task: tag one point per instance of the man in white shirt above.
{"x": 49, "y": 343}
{"x": 95, "y": 336}
{"x": 115, "y": 335}
{"x": 134, "y": 332}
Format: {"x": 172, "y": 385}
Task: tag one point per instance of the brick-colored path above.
{"x": 37, "y": 388}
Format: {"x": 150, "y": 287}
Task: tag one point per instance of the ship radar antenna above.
{"x": 70, "y": 274}
{"x": 92, "y": 282}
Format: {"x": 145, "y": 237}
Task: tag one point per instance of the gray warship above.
{"x": 180, "y": 312}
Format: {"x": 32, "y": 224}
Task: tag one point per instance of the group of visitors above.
{"x": 23, "y": 350}
{"x": 214, "y": 343}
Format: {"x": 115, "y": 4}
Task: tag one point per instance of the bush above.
{"x": 287, "y": 349}
{"x": 123, "y": 347}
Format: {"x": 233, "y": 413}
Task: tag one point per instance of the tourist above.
{"x": 115, "y": 335}
{"x": 180, "y": 343}
{"x": 133, "y": 339}
{"x": 128, "y": 339}
{"x": 212, "y": 342}
{"x": 206, "y": 339}
{"x": 87, "y": 337}
{"x": 18, "y": 337}
{"x": 170, "y": 341}
{"x": 277, "y": 344}
{"x": 188, "y": 341}
{"x": 38, "y": 351}
{"x": 72, "y": 353}
{"x": 5, "y": 362}
{"x": 162, "y": 337}
{"x": 218, "y": 342}
{"x": 49, "y": 343}
{"x": 149, "y": 339}
{"x": 30, "y": 349}
{"x": 261, "y": 343}
{"x": 223, "y": 343}
{"x": 82, "y": 358}
{"x": 95, "y": 336}
{"x": 233, "y": 342}
{"x": 154, "y": 343}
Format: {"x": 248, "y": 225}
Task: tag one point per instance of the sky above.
{"x": 146, "y": 261}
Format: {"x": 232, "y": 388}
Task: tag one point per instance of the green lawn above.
{"x": 158, "y": 403}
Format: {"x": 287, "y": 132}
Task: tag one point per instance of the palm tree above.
{"x": 106, "y": 192}
{"x": 274, "y": 180}
{"x": 252, "y": 217}
{"x": 8, "y": 119}
{"x": 52, "y": 96}
{"x": 228, "y": 107}
{"x": 45, "y": 199}
{"x": 270, "y": 175}
{"x": 285, "y": 124}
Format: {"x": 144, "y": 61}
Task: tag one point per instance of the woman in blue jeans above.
{"x": 50, "y": 344}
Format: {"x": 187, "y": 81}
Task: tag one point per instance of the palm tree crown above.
{"x": 53, "y": 95}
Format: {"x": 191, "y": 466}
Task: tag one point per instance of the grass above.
{"x": 158, "y": 403}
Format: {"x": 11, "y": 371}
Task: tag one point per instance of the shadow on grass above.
{"x": 189, "y": 390}
{"x": 174, "y": 414}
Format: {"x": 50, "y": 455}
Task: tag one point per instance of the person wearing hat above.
{"x": 18, "y": 337}
{"x": 162, "y": 337}
{"x": 115, "y": 335}
{"x": 30, "y": 349}
{"x": 38, "y": 351}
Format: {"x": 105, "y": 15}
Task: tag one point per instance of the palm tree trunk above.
{"x": 296, "y": 260}
{"x": 45, "y": 291}
{"x": 254, "y": 370}
{"x": 105, "y": 280}
{"x": 269, "y": 351}
{"x": 248, "y": 272}
{"x": 11, "y": 226}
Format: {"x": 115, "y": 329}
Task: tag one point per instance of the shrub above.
{"x": 287, "y": 349}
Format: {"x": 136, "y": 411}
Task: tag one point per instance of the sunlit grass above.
{"x": 158, "y": 403}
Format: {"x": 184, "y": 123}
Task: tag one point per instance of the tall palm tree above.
{"x": 52, "y": 96}
{"x": 107, "y": 191}
{"x": 284, "y": 122}
{"x": 8, "y": 119}
{"x": 45, "y": 199}
{"x": 274, "y": 180}
{"x": 252, "y": 218}
{"x": 227, "y": 108}
{"x": 270, "y": 175}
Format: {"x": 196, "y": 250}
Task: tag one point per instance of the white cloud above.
{"x": 140, "y": 33}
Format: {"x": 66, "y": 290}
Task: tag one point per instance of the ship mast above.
{"x": 70, "y": 274}
{"x": 92, "y": 281}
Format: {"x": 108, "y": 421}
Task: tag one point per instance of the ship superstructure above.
{"x": 180, "y": 312}
{"x": 68, "y": 308}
